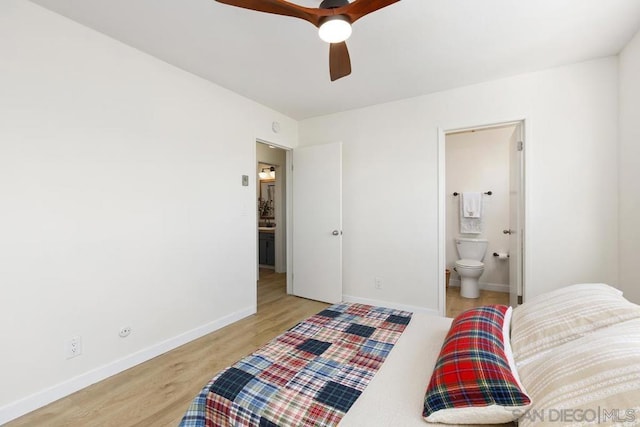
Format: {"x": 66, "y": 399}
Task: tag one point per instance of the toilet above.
{"x": 470, "y": 265}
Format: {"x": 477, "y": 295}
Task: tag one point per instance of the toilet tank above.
{"x": 472, "y": 248}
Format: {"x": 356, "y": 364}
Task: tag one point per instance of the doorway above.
{"x": 271, "y": 225}
{"x": 485, "y": 163}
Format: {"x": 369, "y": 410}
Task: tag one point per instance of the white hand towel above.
{"x": 472, "y": 205}
{"x": 469, "y": 225}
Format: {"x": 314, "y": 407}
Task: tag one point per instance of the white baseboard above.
{"x": 37, "y": 400}
{"x": 390, "y": 304}
{"x": 497, "y": 287}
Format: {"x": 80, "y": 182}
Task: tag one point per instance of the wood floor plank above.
{"x": 456, "y": 304}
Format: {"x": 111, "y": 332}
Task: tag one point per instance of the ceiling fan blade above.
{"x": 360, "y": 8}
{"x": 280, "y": 7}
{"x": 339, "y": 61}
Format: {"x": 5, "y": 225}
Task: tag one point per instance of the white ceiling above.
{"x": 410, "y": 48}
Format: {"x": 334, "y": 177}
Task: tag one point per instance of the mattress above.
{"x": 394, "y": 397}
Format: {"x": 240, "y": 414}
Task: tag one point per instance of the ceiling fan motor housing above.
{"x": 333, "y": 4}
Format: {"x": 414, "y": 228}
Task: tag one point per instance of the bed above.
{"x": 570, "y": 356}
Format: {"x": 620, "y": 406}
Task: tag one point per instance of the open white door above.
{"x": 317, "y": 222}
{"x": 516, "y": 215}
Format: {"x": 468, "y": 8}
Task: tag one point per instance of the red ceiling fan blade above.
{"x": 280, "y": 7}
{"x": 339, "y": 61}
{"x": 360, "y": 8}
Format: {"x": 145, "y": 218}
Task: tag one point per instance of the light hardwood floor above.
{"x": 457, "y": 304}
{"x": 158, "y": 392}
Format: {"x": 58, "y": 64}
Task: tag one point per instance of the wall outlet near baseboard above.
{"x": 377, "y": 282}
{"x": 73, "y": 347}
{"x": 125, "y": 331}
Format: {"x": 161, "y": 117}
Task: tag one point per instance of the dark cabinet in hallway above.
{"x": 267, "y": 250}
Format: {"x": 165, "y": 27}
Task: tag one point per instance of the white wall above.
{"x": 479, "y": 161}
{"x": 629, "y": 169}
{"x": 121, "y": 204}
{"x": 390, "y": 179}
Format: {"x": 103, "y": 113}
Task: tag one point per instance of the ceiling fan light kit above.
{"x": 335, "y": 29}
{"x": 333, "y": 19}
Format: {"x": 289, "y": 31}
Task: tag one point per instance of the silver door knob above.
{"x": 508, "y": 231}
{"x": 335, "y": 232}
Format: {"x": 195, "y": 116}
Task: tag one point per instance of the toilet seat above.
{"x": 469, "y": 263}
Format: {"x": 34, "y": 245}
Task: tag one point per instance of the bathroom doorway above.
{"x": 482, "y": 209}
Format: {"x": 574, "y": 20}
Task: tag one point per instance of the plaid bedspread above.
{"x": 308, "y": 376}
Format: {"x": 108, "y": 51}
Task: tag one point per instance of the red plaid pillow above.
{"x": 474, "y": 380}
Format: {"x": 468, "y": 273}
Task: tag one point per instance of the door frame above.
{"x": 288, "y": 208}
{"x": 525, "y": 122}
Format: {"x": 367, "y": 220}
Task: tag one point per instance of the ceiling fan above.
{"x": 333, "y": 19}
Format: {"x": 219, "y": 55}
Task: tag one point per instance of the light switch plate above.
{"x": 245, "y": 180}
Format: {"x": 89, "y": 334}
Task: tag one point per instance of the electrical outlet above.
{"x": 73, "y": 347}
{"x": 124, "y": 331}
{"x": 378, "y": 282}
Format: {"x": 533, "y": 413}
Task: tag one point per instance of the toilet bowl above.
{"x": 470, "y": 271}
{"x": 470, "y": 266}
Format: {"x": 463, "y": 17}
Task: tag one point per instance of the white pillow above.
{"x": 563, "y": 315}
{"x": 593, "y": 378}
